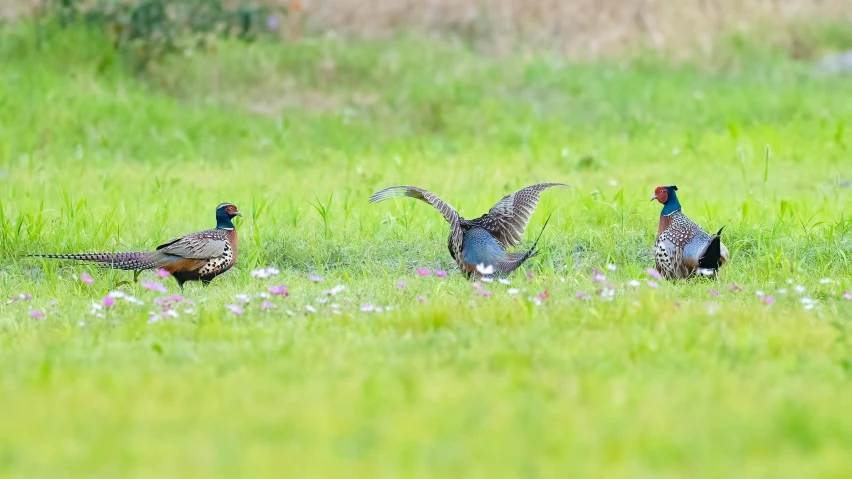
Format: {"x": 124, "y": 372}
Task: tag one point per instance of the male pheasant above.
{"x": 683, "y": 248}
{"x": 484, "y": 240}
{"x": 194, "y": 257}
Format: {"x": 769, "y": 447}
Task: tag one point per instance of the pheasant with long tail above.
{"x": 481, "y": 243}
{"x": 197, "y": 256}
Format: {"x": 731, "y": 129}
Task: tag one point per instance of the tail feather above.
{"x": 515, "y": 260}
{"x": 133, "y": 261}
{"x": 712, "y": 257}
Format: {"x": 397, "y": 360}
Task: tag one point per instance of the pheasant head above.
{"x": 224, "y": 214}
{"x": 667, "y": 196}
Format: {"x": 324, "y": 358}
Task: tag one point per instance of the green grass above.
{"x": 656, "y": 383}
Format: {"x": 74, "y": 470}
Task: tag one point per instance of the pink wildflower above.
{"x": 400, "y": 284}
{"x": 154, "y": 286}
{"x": 544, "y": 294}
{"x": 37, "y": 314}
{"x": 280, "y": 290}
{"x": 234, "y": 309}
{"x": 767, "y": 299}
{"x": 735, "y": 288}
{"x": 108, "y": 301}
{"x": 421, "y": 298}
{"x": 654, "y": 273}
{"x": 267, "y": 305}
{"x": 440, "y": 273}
{"x": 712, "y": 292}
{"x": 423, "y": 271}
{"x": 653, "y": 284}
{"x": 84, "y": 277}
{"x": 847, "y": 295}
{"x": 163, "y": 273}
{"x": 316, "y": 279}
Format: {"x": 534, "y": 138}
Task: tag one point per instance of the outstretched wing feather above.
{"x": 508, "y": 219}
{"x": 447, "y": 211}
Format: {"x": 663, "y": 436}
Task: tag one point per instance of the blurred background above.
{"x": 578, "y": 28}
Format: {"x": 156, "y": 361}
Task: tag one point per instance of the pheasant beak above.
{"x": 653, "y": 197}
{"x": 238, "y": 214}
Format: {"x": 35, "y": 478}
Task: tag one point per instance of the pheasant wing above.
{"x": 202, "y": 245}
{"x": 508, "y": 219}
{"x": 447, "y": 211}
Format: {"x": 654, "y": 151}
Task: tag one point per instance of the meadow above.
{"x": 398, "y": 373}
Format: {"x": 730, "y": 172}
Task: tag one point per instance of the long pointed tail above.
{"x": 712, "y": 258}
{"x": 515, "y": 260}
{"x": 128, "y": 261}
{"x": 533, "y": 251}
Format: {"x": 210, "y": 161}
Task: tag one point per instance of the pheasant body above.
{"x": 197, "y": 256}
{"x": 682, "y": 248}
{"x": 484, "y": 240}
{"x": 480, "y": 248}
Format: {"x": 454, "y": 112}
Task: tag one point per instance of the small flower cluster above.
{"x": 175, "y": 305}
{"x": 264, "y": 273}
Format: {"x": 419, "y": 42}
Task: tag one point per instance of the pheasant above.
{"x": 683, "y": 248}
{"x": 483, "y": 241}
{"x": 194, "y": 257}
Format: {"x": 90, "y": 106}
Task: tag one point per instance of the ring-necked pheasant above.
{"x": 484, "y": 240}
{"x": 683, "y": 248}
{"x": 194, "y": 257}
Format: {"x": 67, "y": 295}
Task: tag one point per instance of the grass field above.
{"x": 667, "y": 382}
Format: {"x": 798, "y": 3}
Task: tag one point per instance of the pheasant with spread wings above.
{"x": 483, "y": 241}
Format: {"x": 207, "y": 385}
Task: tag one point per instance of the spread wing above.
{"x": 202, "y": 245}
{"x": 508, "y": 219}
{"x": 448, "y": 212}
